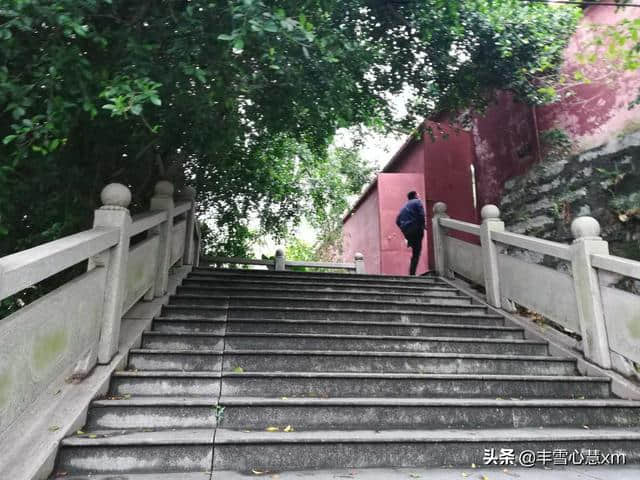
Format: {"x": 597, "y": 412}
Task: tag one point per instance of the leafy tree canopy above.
{"x": 240, "y": 98}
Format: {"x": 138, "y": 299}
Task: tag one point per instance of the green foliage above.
{"x": 238, "y": 98}
{"x": 300, "y": 250}
{"x": 556, "y": 144}
{"x": 618, "y": 43}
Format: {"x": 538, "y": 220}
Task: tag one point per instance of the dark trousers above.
{"x": 414, "y": 239}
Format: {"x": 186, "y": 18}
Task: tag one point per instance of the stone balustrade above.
{"x": 583, "y": 298}
{"x": 280, "y": 263}
{"x": 68, "y": 331}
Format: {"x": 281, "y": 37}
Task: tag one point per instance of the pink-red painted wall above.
{"x": 411, "y": 160}
{"x": 506, "y": 138}
{"x": 505, "y": 145}
{"x": 448, "y": 177}
{"x": 361, "y": 232}
{"x": 597, "y": 110}
{"x": 395, "y": 255}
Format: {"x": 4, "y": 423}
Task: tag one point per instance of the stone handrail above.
{"x": 26, "y": 268}
{"x": 280, "y": 263}
{"x": 584, "y": 298}
{"x": 76, "y": 326}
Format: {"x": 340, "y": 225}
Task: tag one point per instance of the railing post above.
{"x": 586, "y": 231}
{"x": 359, "y": 261}
{"x": 490, "y": 223}
{"x": 280, "y": 260}
{"x": 197, "y": 246}
{"x": 439, "y": 237}
{"x": 113, "y": 213}
{"x": 163, "y": 200}
{"x": 189, "y": 193}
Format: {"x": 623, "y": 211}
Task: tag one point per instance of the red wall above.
{"x": 448, "y": 179}
{"x": 361, "y": 233}
{"x": 505, "y": 145}
{"x": 506, "y": 137}
{"x": 411, "y": 160}
{"x": 395, "y": 255}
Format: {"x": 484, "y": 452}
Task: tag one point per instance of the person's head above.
{"x": 412, "y": 195}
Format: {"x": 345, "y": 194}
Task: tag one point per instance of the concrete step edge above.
{"x": 351, "y": 353}
{"x": 119, "y": 438}
{"x": 425, "y": 402}
{"x": 166, "y": 401}
{"x": 289, "y": 273}
{"x": 336, "y": 300}
{"x": 247, "y": 285}
{"x": 165, "y": 373}
{"x": 174, "y": 351}
{"x": 418, "y": 376}
{"x": 223, "y": 295}
{"x": 362, "y": 322}
{"x": 351, "y": 310}
{"x": 374, "y": 337}
{"x": 548, "y": 435}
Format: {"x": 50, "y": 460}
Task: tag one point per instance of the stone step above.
{"x": 187, "y": 325}
{"x": 167, "y": 383}
{"x": 255, "y": 413}
{"x": 152, "y": 413}
{"x": 208, "y": 312}
{"x": 460, "y": 304}
{"x": 397, "y": 362}
{"x": 381, "y": 343}
{"x": 324, "y": 384}
{"x": 322, "y": 294}
{"x": 182, "y": 360}
{"x": 277, "y": 451}
{"x": 150, "y": 476}
{"x": 183, "y": 341}
{"x": 127, "y": 452}
{"x": 316, "y": 285}
{"x": 309, "y": 313}
{"x": 427, "y": 330}
{"x": 315, "y": 276}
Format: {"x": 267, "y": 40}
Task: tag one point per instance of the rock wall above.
{"x": 603, "y": 182}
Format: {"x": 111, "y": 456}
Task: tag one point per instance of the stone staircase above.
{"x": 271, "y": 371}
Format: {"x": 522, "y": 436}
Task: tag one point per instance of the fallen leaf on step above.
{"x": 414, "y": 475}
{"x": 473, "y": 465}
{"x": 93, "y": 435}
{"x": 272, "y": 429}
{"x": 238, "y": 370}
{"x": 465, "y": 475}
{"x": 284, "y": 398}
{"x": 288, "y": 428}
{"x": 586, "y": 426}
{"x": 54, "y": 428}
{"x": 255, "y": 471}
{"x": 484, "y": 477}
{"x": 80, "y": 432}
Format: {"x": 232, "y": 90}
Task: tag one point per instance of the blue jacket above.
{"x": 411, "y": 216}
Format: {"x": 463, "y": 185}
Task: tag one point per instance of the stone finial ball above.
{"x": 585, "y": 227}
{"x": 440, "y": 207}
{"x": 115, "y": 194}
{"x": 359, "y": 256}
{"x": 279, "y": 253}
{"x": 164, "y": 188}
{"x": 489, "y": 211}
